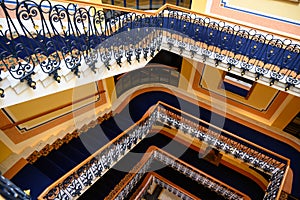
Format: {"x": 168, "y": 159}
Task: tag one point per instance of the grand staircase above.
{"x": 47, "y": 169}
{"x": 97, "y": 137}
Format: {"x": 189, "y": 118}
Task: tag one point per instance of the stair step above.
{"x": 30, "y": 177}
{"x": 63, "y": 161}
{"x": 49, "y": 168}
{"x": 76, "y": 143}
{"x": 70, "y": 151}
{"x": 94, "y": 139}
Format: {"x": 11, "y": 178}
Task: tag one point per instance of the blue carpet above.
{"x": 29, "y": 177}
{"x": 223, "y": 173}
{"x": 141, "y": 103}
{"x": 88, "y": 143}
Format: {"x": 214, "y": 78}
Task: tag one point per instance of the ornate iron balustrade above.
{"x": 171, "y": 189}
{"x": 121, "y": 191}
{"x": 85, "y": 174}
{"x": 55, "y": 36}
{"x": 273, "y": 164}
{"x": 153, "y": 178}
{"x": 147, "y": 5}
{"x": 10, "y": 191}
{"x": 74, "y": 183}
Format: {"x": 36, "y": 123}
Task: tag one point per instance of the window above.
{"x": 294, "y": 126}
{"x": 237, "y": 84}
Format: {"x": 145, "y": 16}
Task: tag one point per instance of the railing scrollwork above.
{"x": 82, "y": 176}
{"x": 50, "y": 36}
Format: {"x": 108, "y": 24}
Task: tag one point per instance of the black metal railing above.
{"x": 148, "y": 4}
{"x": 85, "y": 174}
{"x": 10, "y": 191}
{"x": 52, "y": 36}
{"x": 129, "y": 182}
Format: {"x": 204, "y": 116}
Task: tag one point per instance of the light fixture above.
{"x": 287, "y": 88}
{"x": 57, "y": 78}
{"x": 216, "y": 63}
{"x": 272, "y": 82}
{"x": 243, "y": 72}
{"x": 229, "y": 68}
{"x": 257, "y": 77}
{"x": 1, "y": 93}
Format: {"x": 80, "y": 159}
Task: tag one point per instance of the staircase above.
{"x": 47, "y": 169}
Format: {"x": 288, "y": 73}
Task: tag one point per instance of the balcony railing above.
{"x": 89, "y": 171}
{"x": 8, "y": 190}
{"x": 153, "y": 180}
{"x": 52, "y": 38}
{"x": 121, "y": 191}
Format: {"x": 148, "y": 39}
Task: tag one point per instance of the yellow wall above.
{"x": 198, "y": 5}
{"x": 111, "y": 90}
{"x": 186, "y": 72}
{"x": 36, "y": 106}
{"x": 281, "y": 8}
{"x": 260, "y": 97}
{"x": 288, "y": 113}
{"x": 5, "y": 151}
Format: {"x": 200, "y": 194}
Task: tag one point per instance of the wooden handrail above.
{"x": 149, "y": 153}
{"x": 8, "y": 126}
{"x": 227, "y": 132}
{"x": 148, "y": 113}
{"x": 167, "y": 5}
{"x": 61, "y": 179}
{"x": 126, "y": 180}
{"x": 152, "y": 175}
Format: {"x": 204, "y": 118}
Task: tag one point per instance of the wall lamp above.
{"x": 287, "y": 87}
{"x": 243, "y": 72}
{"x": 29, "y": 80}
{"x": 229, "y": 68}
{"x": 1, "y": 93}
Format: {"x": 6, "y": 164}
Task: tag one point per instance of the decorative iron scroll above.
{"x": 9, "y": 190}
{"x": 126, "y": 185}
{"x": 94, "y": 167}
{"x": 51, "y": 36}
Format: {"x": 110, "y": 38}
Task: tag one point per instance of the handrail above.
{"x": 60, "y": 180}
{"x": 71, "y": 35}
{"x": 151, "y": 151}
{"x": 227, "y": 132}
{"x": 149, "y": 178}
{"x": 171, "y": 6}
{"x": 127, "y": 179}
{"x": 13, "y": 124}
{"x": 154, "y": 112}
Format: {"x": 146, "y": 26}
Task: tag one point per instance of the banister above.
{"x": 153, "y": 174}
{"x": 124, "y": 182}
{"x": 60, "y": 180}
{"x": 196, "y": 169}
{"x": 171, "y": 6}
{"x": 227, "y": 132}
{"x": 150, "y": 151}
{"x": 160, "y": 107}
{"x": 13, "y": 124}
{"x": 76, "y": 42}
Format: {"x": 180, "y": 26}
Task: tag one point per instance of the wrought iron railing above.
{"x": 148, "y": 4}
{"x": 153, "y": 180}
{"x": 129, "y": 182}
{"x": 52, "y": 36}
{"x": 10, "y": 191}
{"x": 152, "y": 73}
{"x": 85, "y": 174}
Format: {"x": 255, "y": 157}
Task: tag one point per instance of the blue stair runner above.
{"x": 51, "y": 169}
